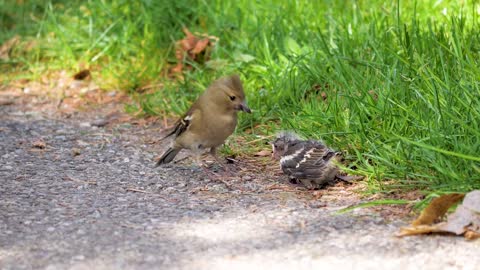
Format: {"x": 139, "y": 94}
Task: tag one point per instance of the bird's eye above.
{"x": 232, "y": 98}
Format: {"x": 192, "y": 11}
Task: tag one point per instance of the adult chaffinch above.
{"x": 209, "y": 121}
{"x": 308, "y": 161}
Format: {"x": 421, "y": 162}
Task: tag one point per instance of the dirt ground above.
{"x": 79, "y": 191}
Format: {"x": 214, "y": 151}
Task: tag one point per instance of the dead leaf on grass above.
{"x": 464, "y": 221}
{"x": 7, "y": 47}
{"x": 263, "y": 153}
{"x": 191, "y": 48}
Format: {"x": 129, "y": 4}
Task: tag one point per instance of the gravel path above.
{"x": 75, "y": 196}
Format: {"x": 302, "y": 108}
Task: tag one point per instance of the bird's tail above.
{"x": 168, "y": 156}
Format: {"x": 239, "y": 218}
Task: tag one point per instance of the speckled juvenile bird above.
{"x": 209, "y": 121}
{"x": 308, "y": 161}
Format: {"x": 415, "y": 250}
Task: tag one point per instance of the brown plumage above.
{"x": 210, "y": 120}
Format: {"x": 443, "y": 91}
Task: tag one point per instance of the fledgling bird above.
{"x": 308, "y": 161}
{"x": 209, "y": 121}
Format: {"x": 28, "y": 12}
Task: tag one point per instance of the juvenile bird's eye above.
{"x": 232, "y": 98}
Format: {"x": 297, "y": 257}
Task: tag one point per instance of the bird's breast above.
{"x": 220, "y": 129}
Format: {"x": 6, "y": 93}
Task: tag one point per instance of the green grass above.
{"x": 400, "y": 80}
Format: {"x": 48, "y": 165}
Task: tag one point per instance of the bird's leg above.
{"x": 213, "y": 152}
{"x": 227, "y": 173}
{"x": 197, "y": 160}
{"x": 197, "y": 157}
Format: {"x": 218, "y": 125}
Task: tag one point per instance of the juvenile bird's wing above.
{"x": 183, "y": 123}
{"x": 316, "y": 163}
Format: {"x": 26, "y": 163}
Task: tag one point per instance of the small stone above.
{"x": 246, "y": 178}
{"x": 8, "y": 167}
{"x": 52, "y": 267}
{"x": 61, "y": 138}
{"x": 50, "y": 229}
{"x": 99, "y": 122}
{"x": 82, "y": 143}
{"x": 126, "y": 160}
{"x": 79, "y": 257}
{"x": 169, "y": 189}
{"x": 85, "y": 124}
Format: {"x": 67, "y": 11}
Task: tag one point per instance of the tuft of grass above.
{"x": 393, "y": 84}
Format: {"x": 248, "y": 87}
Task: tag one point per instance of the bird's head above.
{"x": 283, "y": 142}
{"x": 228, "y": 91}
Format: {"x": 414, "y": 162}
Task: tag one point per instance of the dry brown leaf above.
{"x": 39, "y": 144}
{"x": 76, "y": 152}
{"x": 190, "y": 47}
{"x": 263, "y": 153}
{"x": 472, "y": 235}
{"x": 200, "y": 46}
{"x": 7, "y": 47}
{"x": 437, "y": 209}
{"x": 464, "y": 221}
{"x": 458, "y": 221}
{"x": 466, "y": 217}
{"x": 472, "y": 201}
{"x": 82, "y": 75}
{"x": 189, "y": 41}
{"x": 415, "y": 230}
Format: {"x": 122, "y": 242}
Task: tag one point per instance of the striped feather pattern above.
{"x": 310, "y": 162}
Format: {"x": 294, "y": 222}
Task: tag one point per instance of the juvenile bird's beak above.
{"x": 243, "y": 107}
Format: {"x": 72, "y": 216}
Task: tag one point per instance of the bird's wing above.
{"x": 183, "y": 123}
{"x": 316, "y": 163}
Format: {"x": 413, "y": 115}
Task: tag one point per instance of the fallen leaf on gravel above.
{"x": 39, "y": 144}
{"x": 437, "y": 209}
{"x": 471, "y": 235}
{"x": 263, "y": 153}
{"x": 76, "y": 152}
{"x": 464, "y": 221}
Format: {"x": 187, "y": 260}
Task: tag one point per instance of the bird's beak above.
{"x": 243, "y": 107}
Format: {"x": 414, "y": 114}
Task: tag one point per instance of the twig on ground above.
{"x": 136, "y": 190}
{"x": 88, "y": 182}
